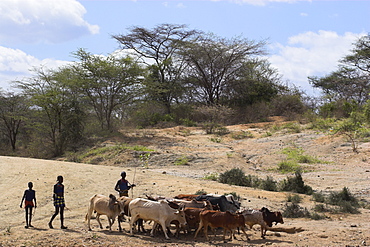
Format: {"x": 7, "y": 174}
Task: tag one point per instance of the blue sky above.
{"x": 306, "y": 37}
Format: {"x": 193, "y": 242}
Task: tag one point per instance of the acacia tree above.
{"x": 158, "y": 48}
{"x": 351, "y": 82}
{"x": 214, "y": 63}
{"x": 255, "y": 81}
{"x": 56, "y": 108}
{"x": 13, "y": 112}
{"x": 107, "y": 82}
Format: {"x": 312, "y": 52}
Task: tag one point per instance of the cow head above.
{"x": 180, "y": 216}
{"x": 278, "y": 218}
{"x": 271, "y": 217}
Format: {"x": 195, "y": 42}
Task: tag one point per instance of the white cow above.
{"x": 104, "y": 205}
{"x": 158, "y": 211}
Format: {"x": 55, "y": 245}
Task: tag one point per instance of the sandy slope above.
{"x": 83, "y": 180}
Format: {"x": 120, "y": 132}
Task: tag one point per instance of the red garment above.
{"x": 28, "y": 204}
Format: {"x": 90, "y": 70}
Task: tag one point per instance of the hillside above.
{"x": 182, "y": 157}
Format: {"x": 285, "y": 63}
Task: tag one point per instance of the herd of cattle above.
{"x": 186, "y": 212}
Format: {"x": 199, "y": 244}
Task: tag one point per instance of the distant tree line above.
{"x": 165, "y": 75}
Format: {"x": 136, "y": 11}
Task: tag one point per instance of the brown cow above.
{"x": 187, "y": 197}
{"x": 227, "y": 220}
{"x": 192, "y": 217}
{"x": 126, "y": 201}
{"x": 271, "y": 217}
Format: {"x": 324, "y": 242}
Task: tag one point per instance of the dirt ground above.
{"x": 158, "y": 175}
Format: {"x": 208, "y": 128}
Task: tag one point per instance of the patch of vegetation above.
{"x": 322, "y": 124}
{"x": 316, "y": 216}
{"x": 234, "y": 176}
{"x": 294, "y": 210}
{"x": 108, "y": 152}
{"x": 252, "y": 181}
{"x": 288, "y": 166}
{"x": 212, "y": 176}
{"x": 343, "y": 202}
{"x": 215, "y": 128}
{"x": 295, "y": 184}
{"x": 294, "y": 198}
{"x": 188, "y": 122}
{"x": 183, "y": 160}
{"x": 268, "y": 184}
{"x": 144, "y": 158}
{"x": 318, "y": 197}
{"x": 238, "y": 135}
{"x": 216, "y": 139}
{"x": 295, "y": 156}
{"x": 292, "y": 127}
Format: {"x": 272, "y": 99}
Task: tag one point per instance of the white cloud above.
{"x": 311, "y": 54}
{"x": 16, "y": 64}
{"x": 29, "y": 21}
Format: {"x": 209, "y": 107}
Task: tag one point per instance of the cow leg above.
{"x": 263, "y": 232}
{"x": 164, "y": 228}
{"x": 132, "y": 221}
{"x": 243, "y": 230}
{"x": 206, "y": 232}
{"x": 153, "y": 229}
{"x": 98, "y": 219}
{"x": 119, "y": 225}
{"x": 88, "y": 217}
{"x": 140, "y": 225}
{"x": 199, "y": 228}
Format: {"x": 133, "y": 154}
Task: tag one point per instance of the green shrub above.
{"x": 342, "y": 198}
{"x": 295, "y": 184}
{"x": 268, "y": 184}
{"x": 318, "y": 197}
{"x": 294, "y": 198}
{"x": 234, "y": 176}
{"x": 321, "y": 208}
{"x": 187, "y": 122}
{"x": 293, "y": 210}
{"x": 252, "y": 181}
{"x": 316, "y": 216}
{"x": 288, "y": 166}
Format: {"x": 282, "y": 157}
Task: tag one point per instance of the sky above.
{"x": 305, "y": 37}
